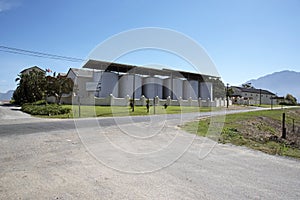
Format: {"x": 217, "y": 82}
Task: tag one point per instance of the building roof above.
{"x": 83, "y": 72}
{"x": 125, "y": 68}
{"x": 62, "y": 74}
{"x": 253, "y": 90}
{"x": 32, "y": 68}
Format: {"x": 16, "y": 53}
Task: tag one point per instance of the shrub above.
{"x": 40, "y": 102}
{"x": 44, "y": 109}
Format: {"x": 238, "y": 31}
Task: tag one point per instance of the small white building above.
{"x": 252, "y": 96}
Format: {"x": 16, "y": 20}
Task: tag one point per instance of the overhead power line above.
{"x": 39, "y": 54}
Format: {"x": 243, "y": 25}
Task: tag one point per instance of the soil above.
{"x": 263, "y": 129}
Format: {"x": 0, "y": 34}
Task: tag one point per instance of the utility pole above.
{"x": 260, "y": 97}
{"x": 154, "y": 105}
{"x": 133, "y": 95}
{"x": 79, "y": 110}
{"x": 272, "y": 103}
{"x": 76, "y": 89}
{"x": 171, "y": 93}
{"x": 227, "y": 95}
{"x": 283, "y": 126}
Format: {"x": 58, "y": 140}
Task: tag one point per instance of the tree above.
{"x": 229, "y": 92}
{"x": 34, "y": 86}
{"x": 219, "y": 90}
{"x": 247, "y": 85}
{"x": 57, "y": 86}
{"x": 31, "y": 87}
{"x": 291, "y": 99}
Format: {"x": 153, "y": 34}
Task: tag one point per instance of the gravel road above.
{"x": 132, "y": 158}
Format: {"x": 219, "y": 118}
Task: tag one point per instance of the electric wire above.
{"x": 38, "y": 54}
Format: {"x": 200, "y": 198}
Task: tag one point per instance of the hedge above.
{"x": 46, "y": 109}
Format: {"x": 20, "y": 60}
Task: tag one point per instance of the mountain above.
{"x": 280, "y": 83}
{"x": 6, "y": 96}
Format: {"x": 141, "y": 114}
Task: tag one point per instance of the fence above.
{"x": 113, "y": 101}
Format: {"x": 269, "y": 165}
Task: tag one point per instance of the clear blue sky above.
{"x": 245, "y": 38}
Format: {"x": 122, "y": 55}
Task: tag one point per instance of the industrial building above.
{"x": 101, "y": 79}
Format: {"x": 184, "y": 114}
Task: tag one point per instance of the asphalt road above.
{"x": 133, "y": 158}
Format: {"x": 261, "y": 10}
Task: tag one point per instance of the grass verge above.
{"x": 110, "y": 111}
{"x": 259, "y": 130}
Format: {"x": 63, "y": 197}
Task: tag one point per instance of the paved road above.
{"x": 132, "y": 158}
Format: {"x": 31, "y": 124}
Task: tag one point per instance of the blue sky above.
{"x": 246, "y": 39}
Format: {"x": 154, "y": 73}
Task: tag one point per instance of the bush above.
{"x": 40, "y": 102}
{"x": 44, "y": 109}
{"x": 287, "y": 104}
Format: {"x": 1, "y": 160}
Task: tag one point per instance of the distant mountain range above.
{"x": 6, "y": 96}
{"x": 280, "y": 83}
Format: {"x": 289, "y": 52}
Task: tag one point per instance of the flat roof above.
{"x": 125, "y": 68}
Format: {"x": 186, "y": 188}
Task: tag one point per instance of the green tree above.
{"x": 247, "y": 85}
{"x": 34, "y": 86}
{"x": 291, "y": 99}
{"x": 59, "y": 85}
{"x": 219, "y": 90}
{"x": 229, "y": 92}
{"x": 31, "y": 87}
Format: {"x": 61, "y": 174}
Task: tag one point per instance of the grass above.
{"x": 109, "y": 111}
{"x": 234, "y": 131}
{"x": 267, "y": 105}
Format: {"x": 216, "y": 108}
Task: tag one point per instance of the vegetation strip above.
{"x": 41, "y": 109}
{"x": 259, "y": 130}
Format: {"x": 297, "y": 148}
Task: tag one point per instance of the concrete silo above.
{"x": 96, "y": 78}
{"x": 176, "y": 88}
{"x": 126, "y": 86}
{"x": 152, "y": 87}
{"x": 190, "y": 89}
{"x": 97, "y": 75}
{"x": 108, "y": 84}
{"x": 206, "y": 90}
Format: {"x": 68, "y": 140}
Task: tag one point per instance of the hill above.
{"x": 282, "y": 83}
{"x": 6, "y": 96}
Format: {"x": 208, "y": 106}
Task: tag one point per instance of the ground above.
{"x": 264, "y": 128}
{"x": 259, "y": 130}
{"x": 73, "y": 159}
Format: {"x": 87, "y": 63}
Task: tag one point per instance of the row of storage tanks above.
{"x": 121, "y": 86}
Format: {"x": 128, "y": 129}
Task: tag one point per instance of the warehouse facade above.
{"x": 99, "y": 79}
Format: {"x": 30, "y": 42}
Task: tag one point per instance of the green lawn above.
{"x": 109, "y": 111}
{"x": 248, "y": 129}
{"x": 267, "y": 106}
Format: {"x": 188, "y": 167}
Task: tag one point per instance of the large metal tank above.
{"x": 152, "y": 87}
{"x": 126, "y": 86}
{"x": 97, "y": 76}
{"x": 190, "y": 89}
{"x": 206, "y": 90}
{"x": 176, "y": 90}
{"x": 107, "y": 83}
